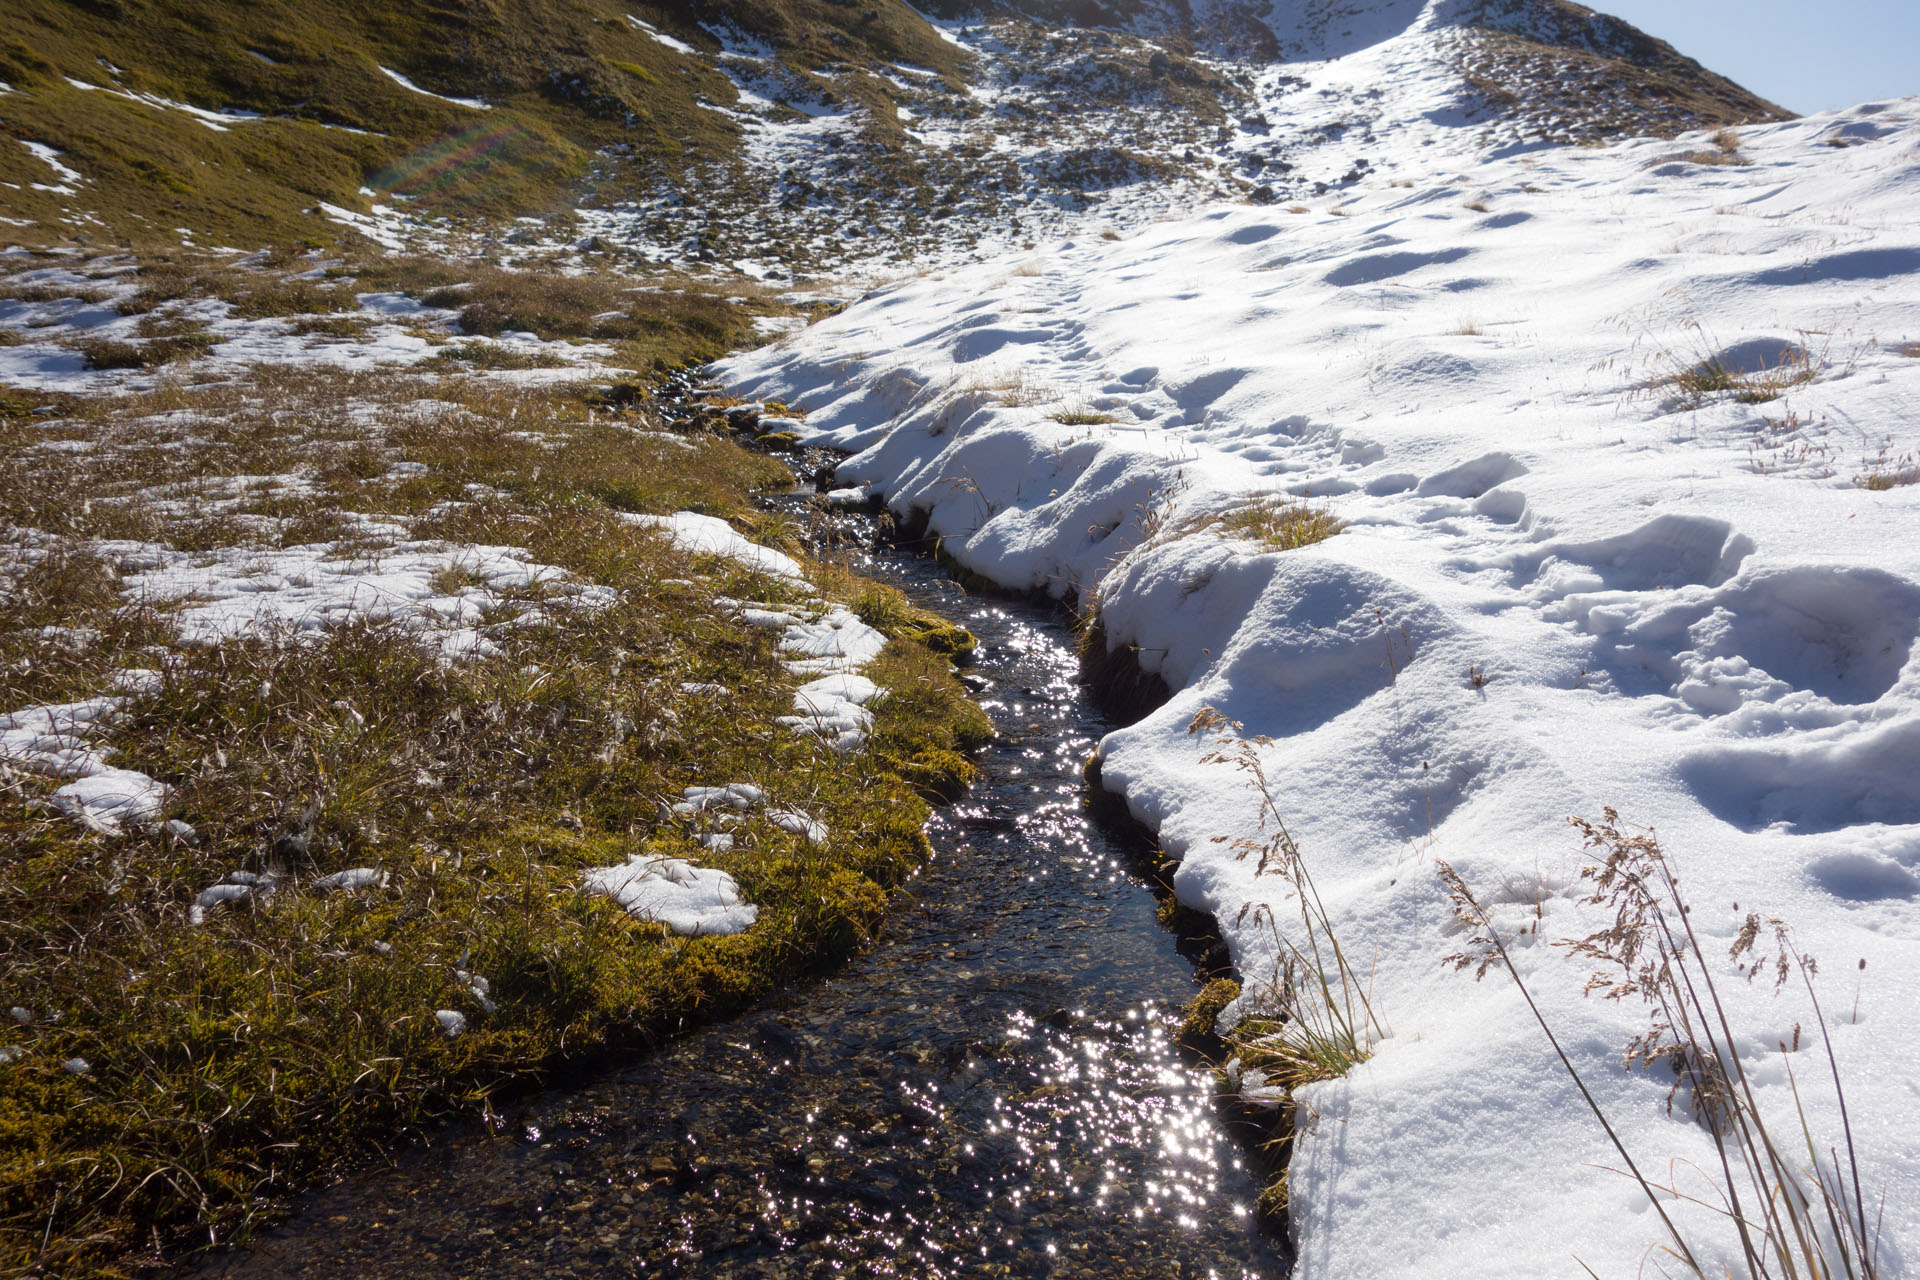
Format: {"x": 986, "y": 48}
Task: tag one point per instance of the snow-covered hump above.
{"x": 1625, "y": 441}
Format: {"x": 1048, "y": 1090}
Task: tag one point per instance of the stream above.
{"x": 992, "y": 1089}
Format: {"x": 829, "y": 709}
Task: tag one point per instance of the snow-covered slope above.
{"x": 1625, "y": 440}
{"x": 1081, "y": 113}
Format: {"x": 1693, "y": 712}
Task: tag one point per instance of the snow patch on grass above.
{"x": 474, "y": 104}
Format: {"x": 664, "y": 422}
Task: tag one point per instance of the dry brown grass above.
{"x": 1782, "y": 1215}
{"x": 1278, "y": 522}
{"x": 285, "y": 1035}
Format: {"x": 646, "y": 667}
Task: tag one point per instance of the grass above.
{"x": 1726, "y": 151}
{"x": 655, "y": 321}
{"x": 565, "y": 81}
{"x": 1278, "y": 522}
{"x": 889, "y": 612}
{"x": 1785, "y": 1215}
{"x": 1703, "y": 375}
{"x": 1313, "y": 1019}
{"x": 105, "y": 353}
{"x": 1699, "y": 383}
{"x": 1077, "y": 413}
{"x": 292, "y": 1034}
{"x": 1882, "y": 472}
{"x": 1017, "y": 387}
{"x": 1582, "y": 82}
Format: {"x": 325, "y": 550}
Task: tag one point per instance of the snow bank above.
{"x": 1573, "y": 574}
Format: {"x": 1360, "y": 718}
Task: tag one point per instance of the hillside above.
{"x": 800, "y": 135}
{"x": 1576, "y": 483}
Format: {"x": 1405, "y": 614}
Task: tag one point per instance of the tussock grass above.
{"x": 1699, "y": 383}
{"x": 1279, "y": 522}
{"x": 1707, "y": 158}
{"x": 290, "y": 1034}
{"x": 1883, "y": 473}
{"x": 1700, "y": 375}
{"x": 103, "y": 353}
{"x": 252, "y": 293}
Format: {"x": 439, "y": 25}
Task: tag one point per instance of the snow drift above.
{"x": 1623, "y": 440}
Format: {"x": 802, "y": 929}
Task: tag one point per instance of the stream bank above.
{"x": 992, "y": 1089}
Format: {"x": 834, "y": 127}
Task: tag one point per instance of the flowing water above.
{"x": 991, "y": 1090}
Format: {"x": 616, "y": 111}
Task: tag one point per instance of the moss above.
{"x": 1114, "y": 675}
{"x": 943, "y": 637}
{"x": 1197, "y": 1034}
{"x": 889, "y": 612}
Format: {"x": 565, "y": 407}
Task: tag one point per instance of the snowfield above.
{"x": 1624, "y": 440}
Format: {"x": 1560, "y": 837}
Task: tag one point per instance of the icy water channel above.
{"x": 992, "y": 1090}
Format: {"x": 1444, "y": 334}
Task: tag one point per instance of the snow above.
{"x": 51, "y": 158}
{"x": 831, "y": 708}
{"x": 382, "y": 225}
{"x": 390, "y": 334}
{"x": 800, "y": 823}
{"x": 678, "y": 46}
{"x": 234, "y": 888}
{"x": 1564, "y": 582}
{"x": 447, "y": 596}
{"x": 310, "y": 588}
{"x": 835, "y": 642}
{"x": 738, "y": 796}
{"x": 472, "y": 103}
{"x": 352, "y": 878}
{"x": 711, "y": 536}
{"x": 57, "y": 740}
{"x": 688, "y": 899}
{"x": 218, "y": 121}
{"x": 834, "y": 709}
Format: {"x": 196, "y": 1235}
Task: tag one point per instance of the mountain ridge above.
{"x": 805, "y": 135}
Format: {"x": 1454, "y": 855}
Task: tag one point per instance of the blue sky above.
{"x": 1806, "y": 55}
